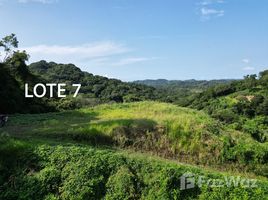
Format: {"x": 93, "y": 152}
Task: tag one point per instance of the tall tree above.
{"x": 9, "y": 43}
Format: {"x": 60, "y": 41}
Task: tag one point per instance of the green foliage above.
{"x": 18, "y": 67}
{"x": 176, "y": 91}
{"x": 43, "y": 171}
{"x": 122, "y": 185}
{"x": 14, "y": 73}
{"x": 8, "y": 42}
{"x": 257, "y": 127}
{"x": 225, "y": 115}
{"x": 264, "y": 78}
{"x": 242, "y": 104}
{"x": 12, "y": 98}
{"x": 232, "y": 193}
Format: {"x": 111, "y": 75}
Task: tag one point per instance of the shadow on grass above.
{"x": 84, "y": 127}
{"x": 106, "y": 132}
{"x": 48, "y": 123}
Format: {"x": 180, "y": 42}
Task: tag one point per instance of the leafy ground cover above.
{"x": 47, "y": 170}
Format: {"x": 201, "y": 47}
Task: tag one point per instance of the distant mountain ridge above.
{"x": 191, "y": 83}
{"x": 178, "y": 91}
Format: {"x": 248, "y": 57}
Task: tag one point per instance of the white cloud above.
{"x": 249, "y": 68}
{"x": 101, "y": 54}
{"x": 38, "y": 1}
{"x": 208, "y": 9}
{"x": 131, "y": 60}
{"x": 245, "y": 60}
{"x": 75, "y": 54}
{"x": 211, "y": 12}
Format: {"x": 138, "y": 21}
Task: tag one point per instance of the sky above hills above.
{"x": 142, "y": 39}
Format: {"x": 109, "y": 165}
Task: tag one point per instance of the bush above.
{"x": 122, "y": 185}
{"x": 226, "y": 116}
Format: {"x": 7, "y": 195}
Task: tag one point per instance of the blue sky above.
{"x": 141, "y": 39}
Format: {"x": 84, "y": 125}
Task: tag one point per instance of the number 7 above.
{"x": 77, "y": 90}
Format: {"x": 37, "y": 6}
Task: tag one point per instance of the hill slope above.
{"x": 159, "y": 128}
{"x": 242, "y": 104}
{"x": 76, "y": 155}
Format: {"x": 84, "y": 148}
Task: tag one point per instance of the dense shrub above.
{"x": 122, "y": 185}
{"x": 226, "y": 116}
{"x": 73, "y": 172}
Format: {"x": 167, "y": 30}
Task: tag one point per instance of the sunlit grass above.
{"x": 175, "y": 119}
{"x": 163, "y": 129}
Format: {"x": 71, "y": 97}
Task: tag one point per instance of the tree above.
{"x": 16, "y": 60}
{"x": 250, "y": 80}
{"x": 263, "y": 109}
{"x": 18, "y": 65}
{"x": 264, "y": 78}
{"x": 9, "y": 43}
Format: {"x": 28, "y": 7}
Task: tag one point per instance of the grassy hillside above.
{"x": 242, "y": 105}
{"x": 161, "y": 129}
{"x": 89, "y": 154}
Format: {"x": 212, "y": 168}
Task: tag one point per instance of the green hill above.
{"x": 90, "y": 153}
{"x": 95, "y": 89}
{"x": 161, "y": 129}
